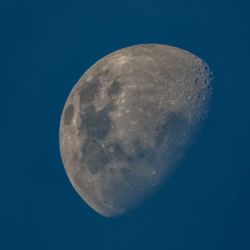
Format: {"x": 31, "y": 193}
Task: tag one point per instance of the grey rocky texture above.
{"x": 128, "y": 122}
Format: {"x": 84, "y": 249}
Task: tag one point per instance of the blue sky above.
{"x": 45, "y": 48}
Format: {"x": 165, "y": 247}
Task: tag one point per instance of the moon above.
{"x": 128, "y": 122}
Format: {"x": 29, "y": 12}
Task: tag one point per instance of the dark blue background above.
{"x": 45, "y": 46}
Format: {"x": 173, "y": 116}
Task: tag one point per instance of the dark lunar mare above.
{"x": 97, "y": 126}
{"x": 68, "y": 114}
{"x": 94, "y": 156}
{"x": 88, "y": 92}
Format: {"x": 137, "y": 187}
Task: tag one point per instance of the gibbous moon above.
{"x": 128, "y": 122}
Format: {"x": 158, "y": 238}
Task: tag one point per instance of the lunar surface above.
{"x": 128, "y": 122}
